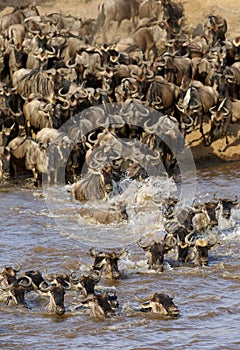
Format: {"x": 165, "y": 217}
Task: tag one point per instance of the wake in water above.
{"x": 143, "y": 202}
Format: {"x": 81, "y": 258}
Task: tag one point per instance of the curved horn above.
{"x": 212, "y": 110}
{"x": 62, "y": 94}
{"x": 73, "y": 65}
{"x": 43, "y": 287}
{"x": 149, "y": 128}
{"x": 226, "y": 111}
{"x": 196, "y": 106}
{"x": 17, "y": 267}
{"x": 158, "y": 103}
{"x": 191, "y": 121}
{"x": 67, "y": 285}
{"x": 142, "y": 245}
{"x": 143, "y": 300}
{"x": 89, "y": 138}
{"x": 81, "y": 94}
{"x": 134, "y": 72}
{"x": 235, "y": 200}
{"x": 51, "y": 53}
{"x": 149, "y": 74}
{"x": 190, "y": 240}
{"x": 65, "y": 105}
{"x": 170, "y": 241}
{"x": 181, "y": 109}
{"x": 73, "y": 277}
{"x": 27, "y": 283}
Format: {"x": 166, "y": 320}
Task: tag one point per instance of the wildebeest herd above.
{"x": 189, "y": 234}
{"x": 89, "y": 114}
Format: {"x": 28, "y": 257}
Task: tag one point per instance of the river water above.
{"x": 43, "y": 230}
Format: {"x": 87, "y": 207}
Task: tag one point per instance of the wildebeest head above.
{"x": 16, "y": 295}
{"x": 36, "y": 278}
{"x": 107, "y": 261}
{"x": 56, "y": 295}
{"x": 16, "y": 291}
{"x": 183, "y": 216}
{"x": 57, "y": 299}
{"x": 225, "y": 207}
{"x": 8, "y": 275}
{"x": 199, "y": 247}
{"x": 86, "y": 283}
{"x": 156, "y": 248}
{"x": 211, "y": 210}
{"x": 99, "y": 305}
{"x": 220, "y": 118}
{"x": 10, "y": 130}
{"x": 160, "y": 303}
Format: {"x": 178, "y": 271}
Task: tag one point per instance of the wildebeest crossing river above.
{"x": 44, "y": 231}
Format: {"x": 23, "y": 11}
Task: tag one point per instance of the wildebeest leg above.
{"x": 222, "y": 148}
{"x": 35, "y": 177}
{"x": 201, "y": 129}
{"x": 55, "y": 177}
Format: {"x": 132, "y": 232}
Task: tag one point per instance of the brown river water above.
{"x": 43, "y": 230}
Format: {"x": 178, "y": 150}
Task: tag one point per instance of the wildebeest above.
{"x": 156, "y": 247}
{"x": 195, "y": 248}
{"x": 25, "y": 154}
{"x": 173, "y": 68}
{"x": 37, "y": 81}
{"x": 211, "y": 207}
{"x": 13, "y": 288}
{"x": 105, "y": 216}
{"x": 56, "y": 298}
{"x": 173, "y": 14}
{"x": 14, "y": 59}
{"x": 115, "y": 10}
{"x": 8, "y": 275}
{"x": 162, "y": 95}
{"x": 37, "y": 115}
{"x": 215, "y": 29}
{"x": 145, "y": 38}
{"x": 197, "y": 102}
{"x": 107, "y": 262}
{"x": 99, "y": 304}
{"x": 36, "y": 280}
{"x": 94, "y": 186}
{"x": 222, "y": 117}
{"x": 14, "y": 294}
{"x": 150, "y": 9}
{"x": 17, "y": 16}
{"x": 225, "y": 206}
{"x": 160, "y": 303}
{"x": 86, "y": 283}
